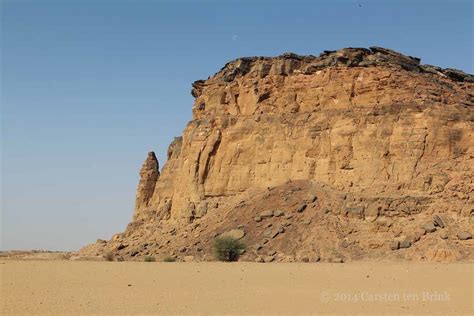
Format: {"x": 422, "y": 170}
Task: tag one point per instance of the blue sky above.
{"x": 89, "y": 87}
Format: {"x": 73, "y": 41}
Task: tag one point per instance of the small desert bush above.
{"x": 227, "y": 248}
{"x": 109, "y": 256}
{"x": 169, "y": 259}
{"x": 149, "y": 259}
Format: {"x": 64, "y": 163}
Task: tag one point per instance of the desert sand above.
{"x": 114, "y": 288}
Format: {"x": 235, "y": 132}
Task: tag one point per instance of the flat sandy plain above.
{"x": 117, "y": 288}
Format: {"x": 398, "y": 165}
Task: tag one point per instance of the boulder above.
{"x": 371, "y": 212}
{"x": 405, "y": 243}
{"x": 395, "y": 245}
{"x": 420, "y": 231}
{"x": 120, "y": 247}
{"x": 301, "y": 208}
{"x": 355, "y": 211}
{"x": 201, "y": 210}
{"x": 266, "y": 214}
{"x": 278, "y": 213}
{"x": 438, "y": 221}
{"x": 234, "y": 233}
{"x": 274, "y": 232}
{"x": 429, "y": 227}
{"x": 268, "y": 232}
{"x": 464, "y": 235}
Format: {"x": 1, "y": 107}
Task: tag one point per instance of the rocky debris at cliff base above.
{"x": 405, "y": 243}
{"x": 429, "y": 227}
{"x": 278, "y": 213}
{"x": 234, "y": 233}
{"x": 463, "y": 235}
{"x": 437, "y": 221}
{"x": 301, "y": 208}
{"x": 322, "y": 233}
{"x": 443, "y": 235}
{"x": 266, "y": 214}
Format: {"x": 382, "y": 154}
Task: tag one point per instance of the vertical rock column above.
{"x": 149, "y": 175}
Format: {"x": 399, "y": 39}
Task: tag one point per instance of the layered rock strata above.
{"x": 356, "y": 119}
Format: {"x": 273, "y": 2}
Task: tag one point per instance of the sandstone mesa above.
{"x": 354, "y": 154}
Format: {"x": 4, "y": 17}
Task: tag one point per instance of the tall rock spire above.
{"x": 149, "y": 175}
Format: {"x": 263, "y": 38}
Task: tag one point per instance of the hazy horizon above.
{"x": 89, "y": 87}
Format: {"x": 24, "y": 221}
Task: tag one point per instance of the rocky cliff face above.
{"x": 372, "y": 133}
{"x": 355, "y": 119}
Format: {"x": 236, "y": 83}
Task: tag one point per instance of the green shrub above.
{"x": 227, "y": 248}
{"x": 169, "y": 259}
{"x": 149, "y": 259}
{"x": 109, "y": 256}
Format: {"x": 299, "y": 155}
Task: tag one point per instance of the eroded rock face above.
{"x": 149, "y": 175}
{"x": 358, "y": 148}
{"x": 356, "y": 119}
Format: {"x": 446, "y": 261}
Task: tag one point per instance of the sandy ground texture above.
{"x": 118, "y": 288}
